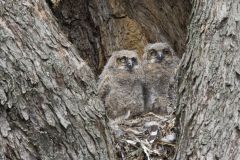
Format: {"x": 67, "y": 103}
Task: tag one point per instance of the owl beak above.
{"x": 160, "y": 56}
{"x": 130, "y": 65}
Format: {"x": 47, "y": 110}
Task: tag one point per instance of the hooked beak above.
{"x": 130, "y": 65}
{"x": 160, "y": 56}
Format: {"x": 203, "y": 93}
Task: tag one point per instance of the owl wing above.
{"x": 104, "y": 86}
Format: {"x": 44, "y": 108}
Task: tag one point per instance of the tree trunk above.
{"x": 209, "y": 83}
{"x": 48, "y": 103}
{"x": 98, "y": 28}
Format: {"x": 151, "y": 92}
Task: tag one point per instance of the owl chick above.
{"x": 159, "y": 63}
{"x": 120, "y": 85}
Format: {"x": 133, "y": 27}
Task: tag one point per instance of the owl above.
{"x": 120, "y": 85}
{"x": 159, "y": 63}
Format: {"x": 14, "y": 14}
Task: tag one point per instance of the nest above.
{"x": 149, "y": 137}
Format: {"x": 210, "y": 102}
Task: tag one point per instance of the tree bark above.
{"x": 209, "y": 83}
{"x": 98, "y": 28}
{"x": 48, "y": 103}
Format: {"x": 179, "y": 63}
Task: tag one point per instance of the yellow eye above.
{"x": 152, "y": 52}
{"x": 122, "y": 59}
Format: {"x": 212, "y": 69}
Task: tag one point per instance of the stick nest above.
{"x": 149, "y": 137}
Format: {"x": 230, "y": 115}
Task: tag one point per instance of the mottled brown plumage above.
{"x": 159, "y": 63}
{"x": 120, "y": 84}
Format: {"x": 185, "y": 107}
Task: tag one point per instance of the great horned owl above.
{"x": 120, "y": 84}
{"x": 159, "y": 63}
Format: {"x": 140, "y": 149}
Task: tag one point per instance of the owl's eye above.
{"x": 166, "y": 51}
{"x": 134, "y": 59}
{"x": 152, "y": 52}
{"x": 123, "y": 59}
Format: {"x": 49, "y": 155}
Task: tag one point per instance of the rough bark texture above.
{"x": 48, "y": 106}
{"x": 99, "y": 27}
{"x": 209, "y": 86}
